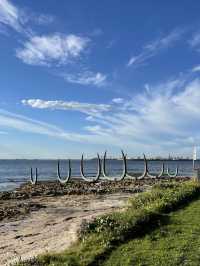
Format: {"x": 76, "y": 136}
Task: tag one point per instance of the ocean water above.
{"x": 15, "y": 172}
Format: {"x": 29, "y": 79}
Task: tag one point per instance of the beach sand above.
{"x": 53, "y": 228}
{"x": 46, "y": 217}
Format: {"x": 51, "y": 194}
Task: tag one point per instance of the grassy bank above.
{"x": 176, "y": 242}
{"x": 102, "y": 240}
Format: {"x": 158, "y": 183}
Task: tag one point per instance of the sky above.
{"x": 89, "y": 76}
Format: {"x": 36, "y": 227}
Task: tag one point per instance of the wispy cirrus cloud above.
{"x": 195, "y": 41}
{"x": 17, "y": 18}
{"x": 164, "y": 118}
{"x": 196, "y": 68}
{"x": 117, "y": 100}
{"x": 25, "y": 124}
{"x": 152, "y": 49}
{"x": 87, "y": 108}
{"x": 10, "y": 15}
{"x": 43, "y": 19}
{"x": 52, "y": 49}
{"x": 87, "y": 78}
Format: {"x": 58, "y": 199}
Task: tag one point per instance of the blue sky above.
{"x": 85, "y": 76}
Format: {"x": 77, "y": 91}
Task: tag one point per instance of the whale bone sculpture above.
{"x": 60, "y": 179}
{"x": 155, "y": 176}
{"x": 162, "y": 171}
{"x": 93, "y": 179}
{"x": 34, "y": 180}
{"x": 124, "y": 172}
{"x": 146, "y": 172}
{"x": 172, "y": 175}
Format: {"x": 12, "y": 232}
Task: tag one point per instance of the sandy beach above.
{"x": 47, "y": 217}
{"x": 54, "y": 227}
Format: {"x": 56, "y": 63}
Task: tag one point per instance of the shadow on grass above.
{"x": 144, "y": 228}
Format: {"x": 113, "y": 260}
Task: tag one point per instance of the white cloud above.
{"x": 88, "y": 108}
{"x": 118, "y": 100}
{"x": 25, "y": 124}
{"x": 43, "y": 19}
{"x": 195, "y": 41}
{"x": 22, "y": 123}
{"x": 10, "y": 15}
{"x": 52, "y": 49}
{"x": 159, "y": 120}
{"x": 17, "y": 18}
{"x": 134, "y": 59}
{"x": 98, "y": 130}
{"x": 87, "y": 78}
{"x": 153, "y": 48}
{"x": 196, "y": 68}
{"x": 164, "y": 119}
{"x": 48, "y": 50}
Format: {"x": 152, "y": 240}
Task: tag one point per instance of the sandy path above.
{"x": 53, "y": 228}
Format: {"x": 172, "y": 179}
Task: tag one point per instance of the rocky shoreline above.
{"x": 21, "y": 201}
{"x": 54, "y": 188}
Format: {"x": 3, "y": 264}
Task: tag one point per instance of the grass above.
{"x": 129, "y": 237}
{"x": 175, "y": 242}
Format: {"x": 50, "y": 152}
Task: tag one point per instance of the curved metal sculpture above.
{"x": 155, "y": 176}
{"x": 124, "y": 173}
{"x": 147, "y": 173}
{"x": 172, "y": 175}
{"x": 60, "y": 179}
{"x": 93, "y": 179}
{"x": 162, "y": 171}
{"x": 34, "y": 180}
{"x": 144, "y": 174}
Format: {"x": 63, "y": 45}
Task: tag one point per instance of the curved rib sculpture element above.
{"x": 147, "y": 170}
{"x": 144, "y": 174}
{"x": 34, "y": 180}
{"x": 93, "y": 179}
{"x": 162, "y": 171}
{"x": 155, "y": 176}
{"x": 172, "y": 175}
{"x": 124, "y": 173}
{"x": 61, "y": 180}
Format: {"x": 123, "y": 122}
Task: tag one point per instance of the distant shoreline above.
{"x": 114, "y": 159}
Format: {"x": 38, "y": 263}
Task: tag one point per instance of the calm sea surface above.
{"x": 15, "y": 172}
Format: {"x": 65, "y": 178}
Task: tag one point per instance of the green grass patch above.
{"x": 176, "y": 242}
{"x": 100, "y": 239}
